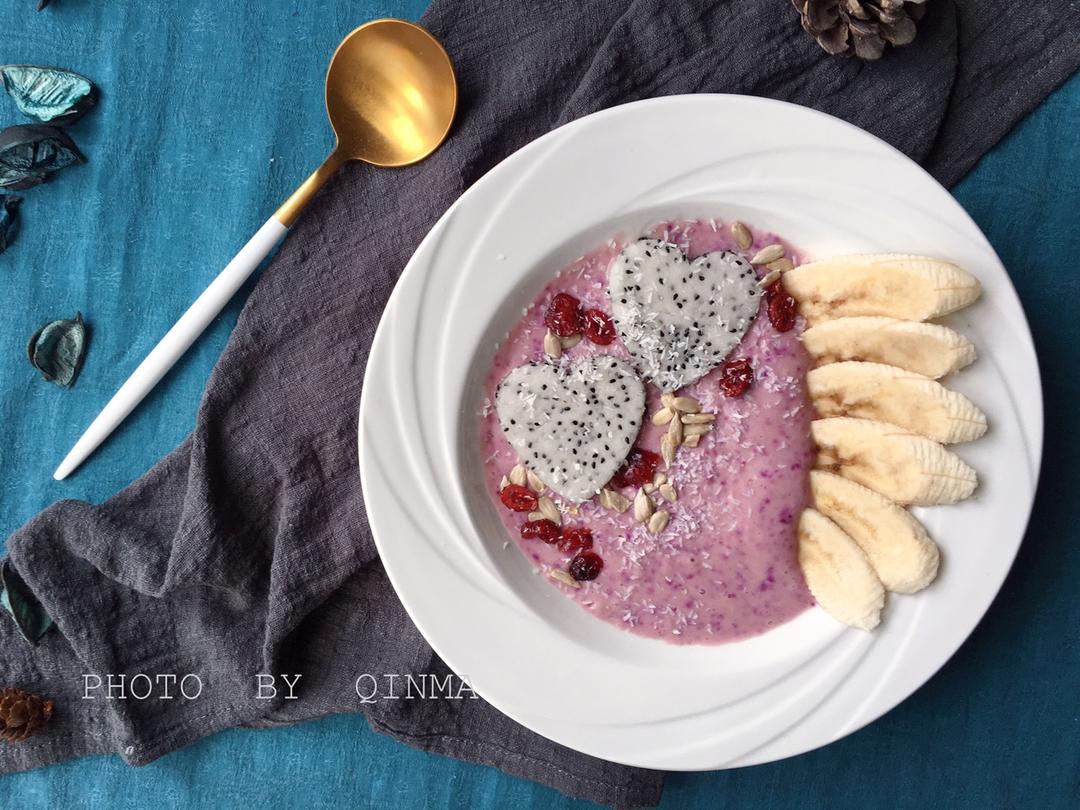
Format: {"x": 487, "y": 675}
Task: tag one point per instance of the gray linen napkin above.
{"x": 246, "y": 550}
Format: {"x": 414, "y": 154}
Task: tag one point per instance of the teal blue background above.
{"x": 211, "y": 113}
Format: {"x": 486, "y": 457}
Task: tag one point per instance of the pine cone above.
{"x": 860, "y": 27}
{"x": 22, "y": 714}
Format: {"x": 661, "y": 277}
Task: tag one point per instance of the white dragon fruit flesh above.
{"x": 680, "y": 319}
{"x": 572, "y": 425}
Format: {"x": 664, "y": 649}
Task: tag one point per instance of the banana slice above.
{"x": 903, "y": 466}
{"x": 838, "y": 573}
{"x": 925, "y": 348}
{"x": 890, "y": 394}
{"x": 898, "y": 547}
{"x": 913, "y": 288}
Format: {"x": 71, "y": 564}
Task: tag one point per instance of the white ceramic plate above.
{"x": 828, "y": 187}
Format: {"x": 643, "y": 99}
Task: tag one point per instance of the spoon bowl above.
{"x": 390, "y": 94}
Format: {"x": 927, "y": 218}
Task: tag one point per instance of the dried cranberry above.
{"x": 518, "y": 498}
{"x": 735, "y": 377}
{"x": 781, "y": 306}
{"x": 598, "y": 327}
{"x": 638, "y": 469}
{"x": 540, "y": 530}
{"x": 575, "y": 538}
{"x": 564, "y": 316}
{"x": 586, "y": 565}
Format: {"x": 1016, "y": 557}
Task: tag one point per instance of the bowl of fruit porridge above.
{"x": 662, "y": 400}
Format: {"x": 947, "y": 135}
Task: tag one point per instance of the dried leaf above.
{"x": 31, "y": 152}
{"x": 9, "y": 219}
{"x": 57, "y": 349}
{"x": 49, "y": 95}
{"x": 17, "y": 599}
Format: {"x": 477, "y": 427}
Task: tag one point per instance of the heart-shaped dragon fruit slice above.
{"x": 572, "y": 425}
{"x": 680, "y": 319}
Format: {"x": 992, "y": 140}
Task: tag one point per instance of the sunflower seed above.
{"x": 563, "y": 577}
{"x": 549, "y": 510}
{"x": 658, "y": 479}
{"x": 768, "y": 254}
{"x": 698, "y": 429}
{"x": 668, "y": 398}
{"x": 674, "y": 432}
{"x": 658, "y": 522}
{"x": 649, "y": 489}
{"x": 698, "y": 418}
{"x": 743, "y": 237}
{"x": 692, "y": 440}
{"x": 519, "y": 476}
{"x": 687, "y": 405}
{"x": 504, "y": 483}
{"x": 667, "y": 450}
{"x": 783, "y": 265}
{"x": 662, "y": 416}
{"x": 552, "y": 346}
{"x": 768, "y": 279}
{"x": 535, "y": 484}
{"x": 643, "y": 507}
{"x": 614, "y": 501}
{"x": 668, "y": 492}
{"x": 570, "y": 342}
{"x": 536, "y": 516}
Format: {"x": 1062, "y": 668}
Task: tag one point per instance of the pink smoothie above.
{"x": 725, "y": 567}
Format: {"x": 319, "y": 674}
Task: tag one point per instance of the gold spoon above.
{"x": 391, "y": 96}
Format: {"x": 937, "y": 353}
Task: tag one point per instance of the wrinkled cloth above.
{"x": 247, "y": 551}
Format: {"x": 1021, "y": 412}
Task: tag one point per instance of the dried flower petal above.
{"x": 31, "y": 152}
{"x": 17, "y": 599}
{"x": 57, "y": 349}
{"x": 49, "y": 95}
{"x": 9, "y": 219}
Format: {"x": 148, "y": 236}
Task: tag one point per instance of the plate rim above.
{"x": 1037, "y": 407}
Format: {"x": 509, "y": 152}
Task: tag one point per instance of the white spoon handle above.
{"x": 176, "y": 341}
